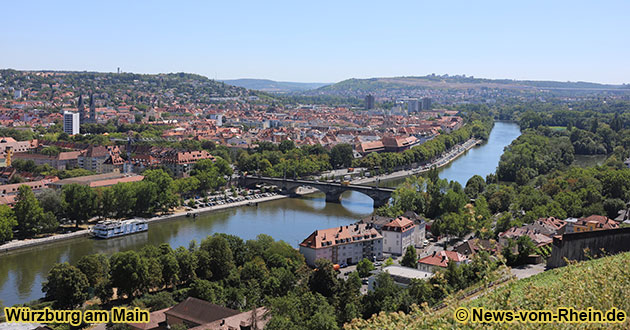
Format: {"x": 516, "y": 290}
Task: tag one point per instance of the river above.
{"x": 291, "y": 220}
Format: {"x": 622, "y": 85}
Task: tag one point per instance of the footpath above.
{"x": 443, "y": 160}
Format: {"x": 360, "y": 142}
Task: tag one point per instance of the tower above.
{"x": 92, "y": 109}
{"x": 81, "y": 109}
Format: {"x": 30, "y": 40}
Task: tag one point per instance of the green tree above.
{"x": 95, "y": 267}
{"x": 341, "y": 155}
{"x": 129, "y": 273}
{"x": 475, "y": 185}
{"x": 220, "y": 256}
{"x": 50, "y": 201}
{"x": 66, "y": 285}
{"x": 187, "y": 262}
{"x": 301, "y": 309}
{"x": 170, "y": 269}
{"x": 166, "y": 197}
{"x": 364, "y": 267}
{"x": 410, "y": 259}
{"x": 7, "y": 222}
{"x": 30, "y": 217}
{"x": 78, "y": 202}
{"x": 206, "y": 290}
{"x": 324, "y": 279}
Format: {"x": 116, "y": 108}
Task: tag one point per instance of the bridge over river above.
{"x": 333, "y": 190}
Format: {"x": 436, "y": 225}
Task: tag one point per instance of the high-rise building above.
{"x": 413, "y": 105}
{"x": 71, "y": 122}
{"x": 17, "y": 94}
{"x": 369, "y": 101}
{"x": 426, "y": 103}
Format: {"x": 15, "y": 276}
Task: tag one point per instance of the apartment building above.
{"x": 344, "y": 244}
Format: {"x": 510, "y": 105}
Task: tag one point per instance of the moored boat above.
{"x": 114, "y": 228}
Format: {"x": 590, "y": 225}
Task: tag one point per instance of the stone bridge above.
{"x": 332, "y": 190}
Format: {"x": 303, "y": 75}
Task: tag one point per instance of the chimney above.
{"x": 222, "y": 322}
{"x": 443, "y": 258}
{"x": 434, "y": 253}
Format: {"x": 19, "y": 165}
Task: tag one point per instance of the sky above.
{"x": 323, "y": 41}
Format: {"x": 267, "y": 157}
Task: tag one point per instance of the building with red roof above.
{"x": 440, "y": 260}
{"x": 399, "y": 234}
{"x": 345, "y": 244}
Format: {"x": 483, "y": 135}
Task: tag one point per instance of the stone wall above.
{"x": 586, "y": 245}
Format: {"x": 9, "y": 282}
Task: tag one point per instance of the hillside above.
{"x": 393, "y": 85}
{"x": 271, "y": 86}
{"x": 601, "y": 284}
{"x": 116, "y": 88}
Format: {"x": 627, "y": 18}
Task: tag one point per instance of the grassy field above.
{"x": 600, "y": 284}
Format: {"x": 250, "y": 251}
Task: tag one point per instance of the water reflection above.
{"x": 291, "y": 220}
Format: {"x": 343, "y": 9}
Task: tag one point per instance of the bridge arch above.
{"x": 333, "y": 191}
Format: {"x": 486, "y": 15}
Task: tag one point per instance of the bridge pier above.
{"x": 333, "y": 196}
{"x": 380, "y": 201}
{"x": 333, "y": 191}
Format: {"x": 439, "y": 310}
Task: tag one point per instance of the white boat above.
{"x": 115, "y": 228}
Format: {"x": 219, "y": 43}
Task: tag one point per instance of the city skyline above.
{"x": 325, "y": 42}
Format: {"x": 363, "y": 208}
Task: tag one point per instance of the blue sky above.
{"x": 323, "y": 41}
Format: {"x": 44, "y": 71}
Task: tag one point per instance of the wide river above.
{"x": 291, "y": 220}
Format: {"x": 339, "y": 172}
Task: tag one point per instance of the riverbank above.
{"x": 29, "y": 243}
{"x": 444, "y": 160}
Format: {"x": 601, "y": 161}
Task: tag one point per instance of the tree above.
{"x": 170, "y": 269}
{"x": 612, "y": 207}
{"x": 220, "y": 256}
{"x": 410, "y": 259}
{"x": 7, "y": 222}
{"x": 324, "y": 279}
{"x": 187, "y": 264}
{"x": 206, "y": 290}
{"x": 66, "y": 285}
{"x": 30, "y": 217}
{"x": 301, "y": 309}
{"x": 50, "y": 201}
{"x": 348, "y": 299}
{"x": 525, "y": 248}
{"x": 95, "y": 267}
{"x": 364, "y": 267}
{"x": 341, "y": 155}
{"x": 166, "y": 197}
{"x": 129, "y": 273}
{"x": 78, "y": 202}
{"x": 286, "y": 145}
{"x": 475, "y": 185}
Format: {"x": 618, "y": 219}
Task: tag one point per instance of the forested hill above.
{"x": 143, "y": 88}
{"x": 380, "y": 85}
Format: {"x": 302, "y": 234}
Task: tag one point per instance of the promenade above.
{"x": 443, "y": 160}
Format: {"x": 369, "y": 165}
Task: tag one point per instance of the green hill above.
{"x": 600, "y": 284}
{"x": 272, "y": 86}
{"x": 385, "y": 86}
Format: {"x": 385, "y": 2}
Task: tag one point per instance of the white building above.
{"x": 398, "y": 234}
{"x": 344, "y": 244}
{"x": 402, "y": 276}
{"x": 71, "y": 122}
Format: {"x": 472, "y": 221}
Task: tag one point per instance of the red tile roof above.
{"x": 442, "y": 258}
